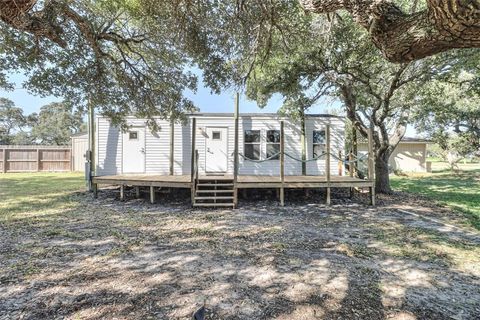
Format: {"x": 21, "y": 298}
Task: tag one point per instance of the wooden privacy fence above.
{"x": 35, "y": 158}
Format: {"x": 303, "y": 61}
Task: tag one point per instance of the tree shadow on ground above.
{"x": 107, "y": 259}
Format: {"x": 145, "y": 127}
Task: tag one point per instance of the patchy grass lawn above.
{"x": 459, "y": 190}
{"x": 37, "y": 194}
{"x": 65, "y": 255}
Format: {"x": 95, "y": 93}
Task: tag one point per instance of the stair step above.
{"x": 214, "y": 191}
{"x": 215, "y": 184}
{"x": 219, "y": 204}
{"x": 213, "y": 198}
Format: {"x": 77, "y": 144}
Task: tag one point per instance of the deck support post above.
{"x": 172, "y": 145}
{"x": 372, "y": 195}
{"x": 371, "y": 166}
{"x": 235, "y": 153}
{"x": 350, "y": 170}
{"x": 192, "y": 164}
{"x": 95, "y": 190}
{"x": 282, "y": 163}
{"x": 327, "y": 165}
{"x": 122, "y": 192}
{"x": 152, "y": 194}
{"x": 137, "y": 192}
{"x": 303, "y": 142}
{"x": 340, "y": 162}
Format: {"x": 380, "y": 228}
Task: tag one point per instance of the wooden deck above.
{"x": 243, "y": 181}
{"x": 301, "y": 182}
{"x": 180, "y": 181}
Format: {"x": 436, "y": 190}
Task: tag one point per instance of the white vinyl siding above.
{"x": 337, "y": 141}
{"x": 109, "y": 145}
{"x": 108, "y": 141}
{"x": 157, "y": 147}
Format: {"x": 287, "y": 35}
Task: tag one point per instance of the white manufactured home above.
{"x": 141, "y": 151}
{"x": 215, "y": 154}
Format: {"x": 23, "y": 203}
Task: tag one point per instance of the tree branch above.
{"x": 402, "y": 37}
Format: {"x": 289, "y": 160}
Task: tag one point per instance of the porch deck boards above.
{"x": 311, "y": 181}
{"x": 243, "y": 181}
{"x": 178, "y": 181}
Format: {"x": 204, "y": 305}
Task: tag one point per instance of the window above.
{"x": 273, "y": 144}
{"x": 252, "y": 144}
{"x": 318, "y": 142}
{"x": 216, "y": 135}
{"x": 132, "y": 135}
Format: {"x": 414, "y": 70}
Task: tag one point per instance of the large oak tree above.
{"x": 117, "y": 55}
{"x": 341, "y": 64}
{"x": 435, "y": 26}
{"x": 403, "y": 31}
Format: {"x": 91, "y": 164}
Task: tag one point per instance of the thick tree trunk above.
{"x": 42, "y": 24}
{"x": 403, "y": 37}
{"x": 382, "y": 178}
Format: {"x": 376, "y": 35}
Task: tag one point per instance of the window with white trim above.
{"x": 133, "y": 135}
{"x": 273, "y": 144}
{"x": 319, "y": 142}
{"x": 251, "y": 144}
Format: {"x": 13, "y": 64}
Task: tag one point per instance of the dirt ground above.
{"x": 106, "y": 259}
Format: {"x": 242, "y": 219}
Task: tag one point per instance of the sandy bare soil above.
{"x": 104, "y": 259}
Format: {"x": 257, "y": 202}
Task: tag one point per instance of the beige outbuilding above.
{"x": 410, "y": 155}
{"x": 79, "y": 149}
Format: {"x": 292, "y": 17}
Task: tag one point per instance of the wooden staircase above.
{"x": 214, "y": 191}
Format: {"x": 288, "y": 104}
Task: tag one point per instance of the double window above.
{"x": 252, "y": 144}
{"x": 319, "y": 142}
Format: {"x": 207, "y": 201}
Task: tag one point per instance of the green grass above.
{"x": 29, "y": 195}
{"x": 459, "y": 190}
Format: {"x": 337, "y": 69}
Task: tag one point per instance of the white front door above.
{"x": 134, "y": 150}
{"x": 216, "y": 156}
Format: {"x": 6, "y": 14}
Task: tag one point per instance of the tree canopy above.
{"x": 410, "y": 30}
{"x": 331, "y": 57}
{"x": 134, "y": 56}
{"x": 120, "y": 56}
{"x": 449, "y": 109}
{"x": 53, "y": 125}
{"x": 12, "y": 121}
